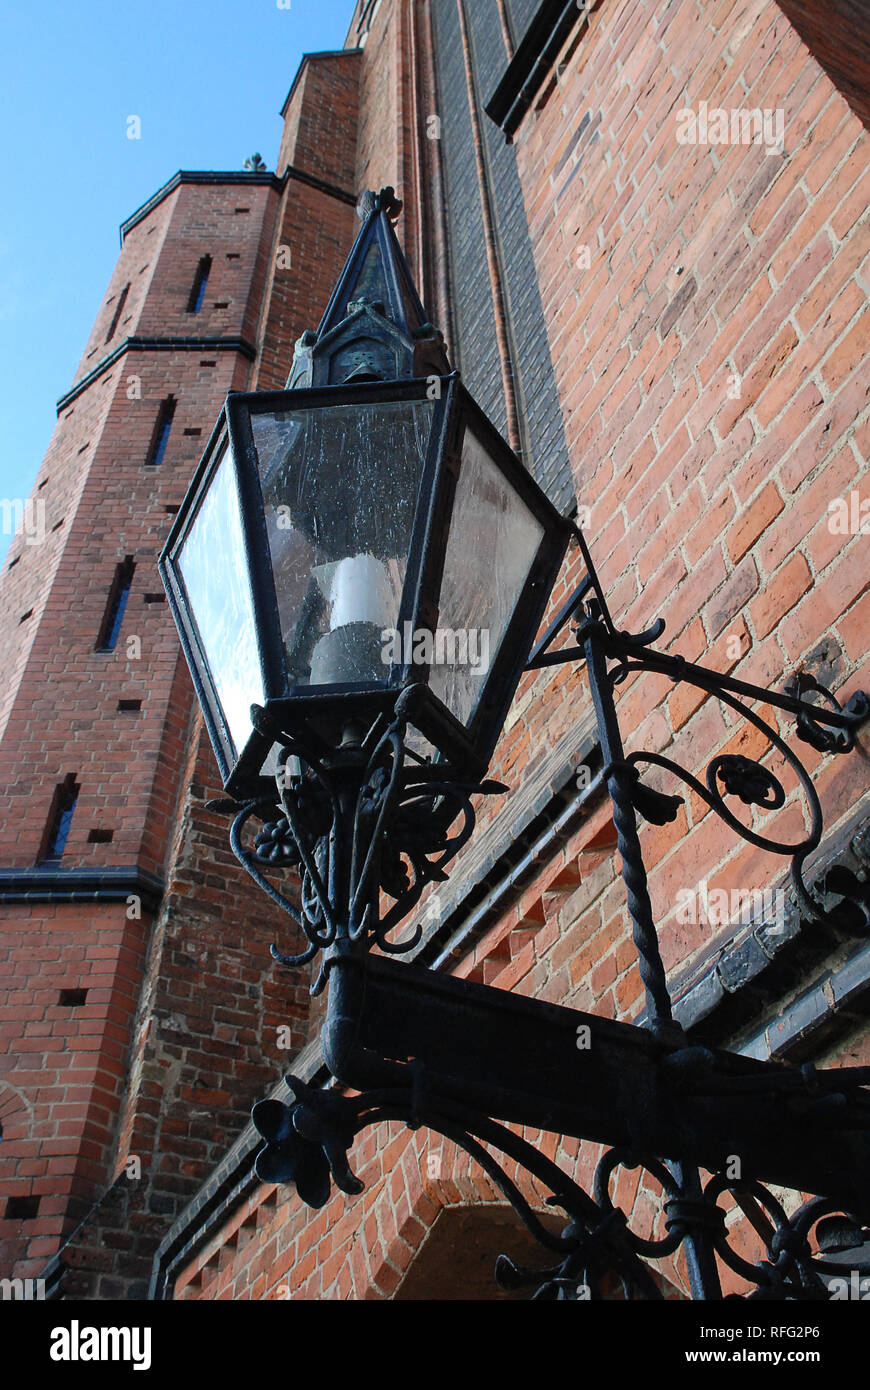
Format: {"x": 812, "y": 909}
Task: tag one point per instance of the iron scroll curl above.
{"x": 747, "y": 778}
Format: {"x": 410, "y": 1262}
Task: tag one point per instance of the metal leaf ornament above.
{"x": 307, "y": 1142}
{"x": 287, "y": 1157}
{"x": 749, "y": 780}
{"x": 656, "y": 807}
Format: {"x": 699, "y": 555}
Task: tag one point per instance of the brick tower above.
{"x": 112, "y": 1038}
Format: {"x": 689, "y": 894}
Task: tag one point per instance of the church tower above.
{"x": 122, "y": 946}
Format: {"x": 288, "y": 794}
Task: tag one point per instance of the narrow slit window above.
{"x": 162, "y": 428}
{"x": 119, "y": 309}
{"x": 200, "y": 280}
{"x": 117, "y": 602}
{"x": 60, "y": 820}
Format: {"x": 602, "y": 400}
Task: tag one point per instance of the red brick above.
{"x": 780, "y": 595}
{"x": 753, "y": 522}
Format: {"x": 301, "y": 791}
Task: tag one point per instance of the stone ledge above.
{"x": 51, "y": 885}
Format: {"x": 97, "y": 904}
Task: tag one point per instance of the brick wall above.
{"x": 206, "y": 1044}
{"x": 65, "y": 715}
{"x": 69, "y": 1063}
{"x": 722, "y": 328}
{"x": 501, "y": 333}
{"x": 320, "y": 117}
{"x": 315, "y": 230}
{"x": 838, "y": 34}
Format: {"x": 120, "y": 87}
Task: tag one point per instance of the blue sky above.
{"x": 207, "y": 79}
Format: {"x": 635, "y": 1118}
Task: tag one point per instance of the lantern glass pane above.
{"x": 493, "y": 541}
{"x": 214, "y": 569}
{"x": 340, "y": 489}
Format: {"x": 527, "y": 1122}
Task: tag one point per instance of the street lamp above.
{"x": 334, "y": 533}
{"x": 342, "y": 543}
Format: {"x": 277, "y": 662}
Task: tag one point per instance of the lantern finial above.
{"x": 385, "y": 201}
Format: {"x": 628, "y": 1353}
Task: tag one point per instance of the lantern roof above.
{"x": 375, "y": 327}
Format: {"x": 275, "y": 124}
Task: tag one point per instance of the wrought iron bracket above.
{"x": 480, "y": 1059}
{"x": 370, "y": 823}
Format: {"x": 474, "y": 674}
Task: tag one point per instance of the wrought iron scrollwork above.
{"x": 812, "y": 729}
{"x": 348, "y": 827}
{"x": 820, "y": 720}
{"x": 748, "y": 779}
{"x": 791, "y": 1268}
